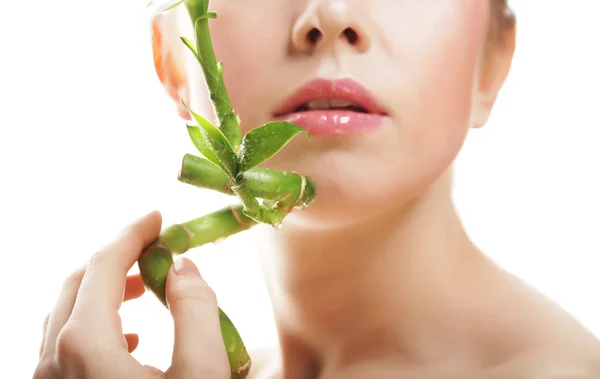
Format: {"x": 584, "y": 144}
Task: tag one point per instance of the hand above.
{"x": 83, "y": 338}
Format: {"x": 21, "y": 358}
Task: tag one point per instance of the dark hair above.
{"x": 502, "y": 19}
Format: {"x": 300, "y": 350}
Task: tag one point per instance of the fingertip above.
{"x": 196, "y": 318}
{"x": 146, "y": 228}
{"x": 181, "y": 268}
{"x": 154, "y": 218}
{"x": 182, "y": 276}
{"x": 184, "y": 282}
{"x": 185, "y": 267}
{"x": 133, "y": 341}
{"x": 156, "y": 215}
{"x": 134, "y": 287}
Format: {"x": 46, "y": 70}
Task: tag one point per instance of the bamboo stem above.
{"x": 213, "y": 73}
{"x": 280, "y": 192}
{"x": 291, "y": 189}
{"x": 156, "y": 260}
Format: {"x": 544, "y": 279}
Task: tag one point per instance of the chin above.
{"x": 362, "y": 177}
{"x": 350, "y": 193}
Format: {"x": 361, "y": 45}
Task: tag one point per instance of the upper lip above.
{"x": 346, "y": 89}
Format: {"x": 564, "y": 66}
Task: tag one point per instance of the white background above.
{"x": 89, "y": 142}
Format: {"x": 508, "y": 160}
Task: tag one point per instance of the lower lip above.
{"x": 335, "y": 122}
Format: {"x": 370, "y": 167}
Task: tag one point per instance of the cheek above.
{"x": 241, "y": 41}
{"x": 436, "y": 107}
{"x": 427, "y": 77}
{"x": 432, "y": 85}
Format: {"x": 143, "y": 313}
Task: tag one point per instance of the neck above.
{"x": 370, "y": 289}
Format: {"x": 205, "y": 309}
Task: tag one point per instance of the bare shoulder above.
{"x": 567, "y": 362}
{"x": 265, "y": 363}
{"x": 550, "y": 342}
{"x": 569, "y": 365}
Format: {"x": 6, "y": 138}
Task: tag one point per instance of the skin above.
{"x": 88, "y": 306}
{"x": 378, "y": 278}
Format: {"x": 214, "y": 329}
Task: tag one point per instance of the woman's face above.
{"x": 420, "y": 61}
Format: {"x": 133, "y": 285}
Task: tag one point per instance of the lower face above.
{"x": 420, "y": 63}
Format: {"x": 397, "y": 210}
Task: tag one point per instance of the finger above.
{"x": 199, "y": 349}
{"x": 134, "y": 287}
{"x": 103, "y": 284}
{"x": 44, "y": 330}
{"x": 45, "y": 326}
{"x": 62, "y": 310}
{"x": 132, "y": 341}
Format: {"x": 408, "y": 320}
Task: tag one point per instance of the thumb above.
{"x": 199, "y": 350}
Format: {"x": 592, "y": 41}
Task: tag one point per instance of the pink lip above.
{"x": 333, "y": 122}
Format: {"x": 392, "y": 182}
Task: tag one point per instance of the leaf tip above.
{"x": 184, "y": 104}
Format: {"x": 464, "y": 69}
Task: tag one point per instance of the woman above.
{"x": 377, "y": 279}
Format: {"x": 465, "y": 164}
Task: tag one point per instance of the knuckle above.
{"x": 69, "y": 342}
{"x": 78, "y": 350}
{"x": 71, "y": 350}
{"x": 97, "y": 258}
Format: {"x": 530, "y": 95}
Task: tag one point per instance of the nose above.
{"x": 327, "y": 23}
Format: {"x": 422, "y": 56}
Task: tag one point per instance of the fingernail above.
{"x": 185, "y": 267}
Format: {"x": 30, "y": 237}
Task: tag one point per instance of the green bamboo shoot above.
{"x": 229, "y": 165}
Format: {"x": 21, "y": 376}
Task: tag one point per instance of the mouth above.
{"x": 325, "y": 107}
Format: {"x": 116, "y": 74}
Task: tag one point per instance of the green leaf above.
{"x": 213, "y": 71}
{"x": 190, "y": 46}
{"x": 220, "y": 148}
{"x": 209, "y": 15}
{"x": 203, "y": 146}
{"x": 159, "y": 6}
{"x": 264, "y": 142}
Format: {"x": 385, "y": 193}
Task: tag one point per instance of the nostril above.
{"x": 313, "y": 35}
{"x": 351, "y": 35}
